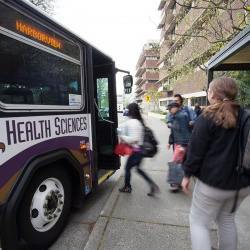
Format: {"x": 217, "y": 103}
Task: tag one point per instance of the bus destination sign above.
{"x": 37, "y": 34}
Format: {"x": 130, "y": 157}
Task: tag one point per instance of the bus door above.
{"x": 106, "y": 115}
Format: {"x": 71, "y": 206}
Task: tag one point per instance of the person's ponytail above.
{"x": 225, "y": 111}
{"x": 134, "y": 112}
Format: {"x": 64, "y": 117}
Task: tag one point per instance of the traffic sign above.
{"x": 147, "y": 98}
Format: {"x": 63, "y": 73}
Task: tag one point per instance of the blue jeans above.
{"x": 134, "y": 160}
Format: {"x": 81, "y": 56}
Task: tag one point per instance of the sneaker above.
{"x": 125, "y": 189}
{"x": 174, "y": 187}
{"x": 154, "y": 190}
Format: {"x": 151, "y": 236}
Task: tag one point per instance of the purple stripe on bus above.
{"x": 9, "y": 168}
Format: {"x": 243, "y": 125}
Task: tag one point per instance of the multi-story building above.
{"x": 147, "y": 72}
{"x": 191, "y": 32}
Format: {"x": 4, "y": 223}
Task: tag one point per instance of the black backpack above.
{"x": 244, "y": 142}
{"x": 243, "y": 165}
{"x": 149, "y": 148}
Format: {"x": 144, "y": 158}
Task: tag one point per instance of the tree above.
{"x": 220, "y": 20}
{"x": 154, "y": 96}
{"x": 206, "y": 29}
{"x": 45, "y": 5}
{"x": 243, "y": 80}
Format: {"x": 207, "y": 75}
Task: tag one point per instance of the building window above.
{"x": 152, "y": 81}
{"x": 170, "y": 93}
{"x": 165, "y": 103}
{"x": 202, "y": 101}
{"x": 152, "y": 58}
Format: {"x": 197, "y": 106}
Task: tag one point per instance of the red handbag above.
{"x": 123, "y": 149}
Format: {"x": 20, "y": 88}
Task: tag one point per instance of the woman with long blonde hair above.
{"x": 212, "y": 158}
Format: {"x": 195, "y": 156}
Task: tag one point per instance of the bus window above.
{"x": 32, "y": 76}
{"x": 103, "y": 97}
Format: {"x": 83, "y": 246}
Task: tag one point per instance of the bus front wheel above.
{"x": 45, "y": 207}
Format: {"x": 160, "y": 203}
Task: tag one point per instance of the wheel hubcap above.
{"x": 47, "y": 204}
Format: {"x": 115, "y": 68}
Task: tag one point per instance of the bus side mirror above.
{"x": 128, "y": 83}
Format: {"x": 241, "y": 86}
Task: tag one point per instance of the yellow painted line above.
{"x": 105, "y": 177}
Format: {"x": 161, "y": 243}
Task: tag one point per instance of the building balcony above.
{"x": 142, "y": 82}
{"x": 167, "y": 29}
{"x": 148, "y": 52}
{"x": 162, "y": 22}
{"x": 162, "y": 35}
{"x": 166, "y": 45}
{"x": 151, "y": 75}
{"x": 138, "y": 90}
{"x": 169, "y": 5}
{"x": 138, "y": 81}
{"x": 147, "y": 86}
{"x": 169, "y": 16}
{"x": 196, "y": 23}
{"x": 139, "y": 94}
{"x": 163, "y": 73}
{"x": 151, "y": 52}
{"x": 150, "y": 64}
{"x": 162, "y": 4}
{"x": 139, "y": 71}
{"x": 188, "y": 21}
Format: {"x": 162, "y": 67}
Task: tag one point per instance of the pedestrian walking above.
{"x": 197, "y": 109}
{"x": 132, "y": 133}
{"x": 185, "y": 109}
{"x": 212, "y": 158}
{"x": 179, "y": 137}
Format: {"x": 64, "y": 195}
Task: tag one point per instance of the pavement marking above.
{"x": 108, "y": 219}
{"x": 105, "y": 177}
{"x": 148, "y": 222}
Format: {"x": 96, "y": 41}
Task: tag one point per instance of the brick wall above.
{"x": 193, "y": 82}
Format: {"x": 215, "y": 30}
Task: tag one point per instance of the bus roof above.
{"x": 42, "y": 14}
{"x": 235, "y": 55}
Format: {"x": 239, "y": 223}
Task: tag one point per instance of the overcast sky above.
{"x": 119, "y": 28}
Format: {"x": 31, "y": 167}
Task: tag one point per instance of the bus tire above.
{"x": 45, "y": 207}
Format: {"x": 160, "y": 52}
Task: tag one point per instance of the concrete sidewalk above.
{"x": 137, "y": 221}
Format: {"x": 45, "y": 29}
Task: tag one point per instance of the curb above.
{"x": 96, "y": 236}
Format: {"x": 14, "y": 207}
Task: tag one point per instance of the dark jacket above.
{"x": 212, "y": 156}
{"x": 197, "y": 111}
{"x": 180, "y": 130}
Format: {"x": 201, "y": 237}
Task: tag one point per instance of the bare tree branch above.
{"x": 216, "y": 28}
{"x": 46, "y": 5}
{"x": 214, "y": 5}
{"x": 203, "y": 36}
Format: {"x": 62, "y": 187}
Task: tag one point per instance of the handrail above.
{"x": 103, "y": 119}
